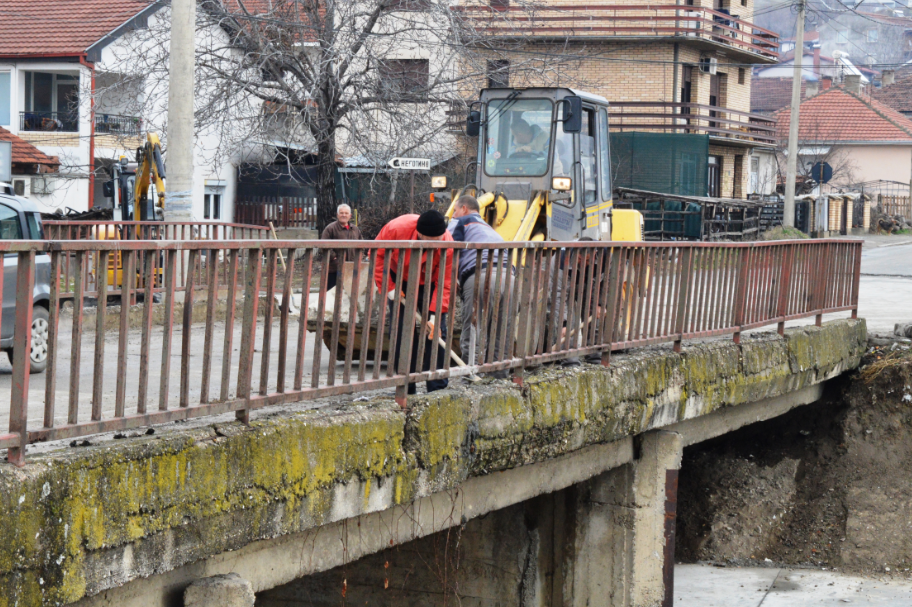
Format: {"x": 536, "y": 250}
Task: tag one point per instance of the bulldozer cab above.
{"x": 543, "y": 154}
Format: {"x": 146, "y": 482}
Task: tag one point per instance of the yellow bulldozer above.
{"x": 543, "y": 167}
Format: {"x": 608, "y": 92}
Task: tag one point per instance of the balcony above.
{"x": 703, "y": 27}
{"x": 109, "y": 124}
{"x": 723, "y": 125}
{"x": 59, "y": 122}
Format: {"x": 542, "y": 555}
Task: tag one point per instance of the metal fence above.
{"x": 245, "y": 342}
{"x": 78, "y": 272}
{"x": 281, "y": 211}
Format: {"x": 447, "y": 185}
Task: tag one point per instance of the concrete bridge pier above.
{"x": 622, "y": 549}
{"x": 228, "y": 590}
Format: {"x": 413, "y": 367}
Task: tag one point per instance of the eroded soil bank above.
{"x": 829, "y": 484}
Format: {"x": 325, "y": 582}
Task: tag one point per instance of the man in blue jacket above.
{"x": 468, "y": 226}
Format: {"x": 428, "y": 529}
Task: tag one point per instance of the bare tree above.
{"x": 818, "y": 144}
{"x": 368, "y": 78}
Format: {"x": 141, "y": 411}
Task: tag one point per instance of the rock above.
{"x": 229, "y": 590}
{"x": 902, "y": 329}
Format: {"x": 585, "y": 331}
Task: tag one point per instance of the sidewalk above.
{"x": 708, "y": 586}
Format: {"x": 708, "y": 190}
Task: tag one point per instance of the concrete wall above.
{"x": 133, "y": 522}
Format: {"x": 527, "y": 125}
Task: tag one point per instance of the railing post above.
{"x": 857, "y": 280}
{"x": 252, "y": 278}
{"x": 408, "y": 322}
{"x": 785, "y": 283}
{"x": 22, "y": 341}
{"x": 685, "y": 274}
{"x": 741, "y": 292}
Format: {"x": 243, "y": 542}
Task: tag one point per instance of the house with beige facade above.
{"x": 666, "y": 68}
{"x": 862, "y": 139}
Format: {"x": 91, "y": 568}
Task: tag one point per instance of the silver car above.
{"x": 21, "y": 220}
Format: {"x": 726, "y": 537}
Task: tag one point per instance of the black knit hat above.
{"x": 432, "y": 223}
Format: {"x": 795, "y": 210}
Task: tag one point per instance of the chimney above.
{"x": 811, "y": 89}
{"x": 853, "y": 83}
{"x": 826, "y": 82}
{"x": 889, "y": 77}
{"x": 817, "y": 61}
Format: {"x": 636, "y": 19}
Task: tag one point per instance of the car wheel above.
{"x": 39, "y": 355}
{"x": 38, "y": 359}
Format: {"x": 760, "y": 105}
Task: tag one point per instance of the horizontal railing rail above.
{"x": 610, "y": 20}
{"x": 720, "y": 122}
{"x": 138, "y": 230}
{"x": 266, "y": 330}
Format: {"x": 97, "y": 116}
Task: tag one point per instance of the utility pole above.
{"x": 788, "y": 212}
{"x": 179, "y": 169}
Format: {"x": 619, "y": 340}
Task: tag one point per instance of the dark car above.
{"x": 21, "y": 220}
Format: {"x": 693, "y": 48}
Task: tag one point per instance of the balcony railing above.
{"x": 717, "y": 122}
{"x": 622, "y": 21}
{"x": 66, "y": 122}
{"x": 110, "y": 124}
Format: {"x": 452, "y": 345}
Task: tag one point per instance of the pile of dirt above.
{"x": 828, "y": 484}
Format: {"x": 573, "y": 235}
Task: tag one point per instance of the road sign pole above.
{"x": 412, "y": 198}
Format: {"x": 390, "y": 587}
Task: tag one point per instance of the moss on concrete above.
{"x": 79, "y": 521}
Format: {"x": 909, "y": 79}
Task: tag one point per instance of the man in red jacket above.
{"x": 430, "y": 225}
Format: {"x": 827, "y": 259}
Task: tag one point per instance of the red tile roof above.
{"x": 837, "y": 115}
{"x": 60, "y": 27}
{"x": 897, "y": 95}
{"x": 772, "y": 94}
{"x": 25, "y": 153}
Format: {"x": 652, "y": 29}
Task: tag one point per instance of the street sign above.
{"x": 821, "y": 172}
{"x": 6, "y": 161}
{"x": 411, "y": 164}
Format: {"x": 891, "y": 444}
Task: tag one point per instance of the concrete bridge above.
{"x": 576, "y": 469}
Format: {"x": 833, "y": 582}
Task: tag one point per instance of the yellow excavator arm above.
{"x": 150, "y": 170}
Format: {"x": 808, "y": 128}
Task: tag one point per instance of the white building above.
{"x": 76, "y": 89}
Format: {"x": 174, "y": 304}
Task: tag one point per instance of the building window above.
{"x": 5, "y": 119}
{"x": 740, "y": 75}
{"x": 51, "y": 102}
{"x": 872, "y": 35}
{"x": 405, "y": 80}
{"x": 212, "y": 203}
{"x": 500, "y": 5}
{"x": 842, "y": 36}
{"x": 498, "y": 74}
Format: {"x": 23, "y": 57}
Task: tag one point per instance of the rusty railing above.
{"x": 612, "y": 21}
{"x": 265, "y": 330}
{"x": 55, "y": 230}
{"x": 717, "y": 122}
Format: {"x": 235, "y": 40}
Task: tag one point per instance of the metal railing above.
{"x": 556, "y": 20}
{"x": 717, "y": 122}
{"x": 282, "y": 211}
{"x": 66, "y": 122}
{"x": 136, "y": 230}
{"x": 246, "y": 343}
{"x": 109, "y": 124}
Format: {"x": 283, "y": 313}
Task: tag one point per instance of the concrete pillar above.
{"x": 622, "y": 551}
{"x": 229, "y": 590}
{"x": 179, "y": 159}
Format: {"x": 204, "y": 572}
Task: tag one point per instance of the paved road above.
{"x": 886, "y": 286}
{"x": 707, "y": 586}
